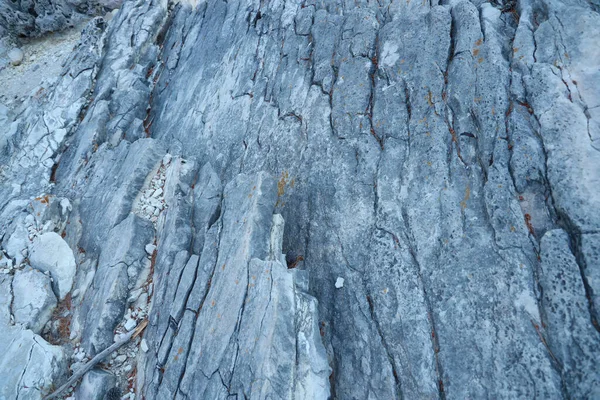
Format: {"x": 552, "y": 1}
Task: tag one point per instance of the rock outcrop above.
{"x": 36, "y": 17}
{"x": 309, "y": 199}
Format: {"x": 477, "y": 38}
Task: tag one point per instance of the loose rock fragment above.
{"x": 15, "y": 56}
{"x": 50, "y": 253}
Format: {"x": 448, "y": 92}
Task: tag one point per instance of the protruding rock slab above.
{"x": 50, "y": 253}
{"x": 122, "y": 258}
{"x": 266, "y": 341}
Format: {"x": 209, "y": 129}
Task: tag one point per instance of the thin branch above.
{"x": 99, "y": 357}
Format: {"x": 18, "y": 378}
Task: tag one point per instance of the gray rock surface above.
{"x": 121, "y": 260}
{"x": 36, "y": 17}
{"x": 94, "y": 385}
{"x": 29, "y": 365}
{"x": 566, "y": 309}
{"x": 436, "y": 165}
{"x": 50, "y": 253}
{"x": 15, "y": 56}
{"x": 33, "y": 299}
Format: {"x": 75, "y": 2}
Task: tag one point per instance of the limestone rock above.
{"x": 50, "y": 253}
{"x": 30, "y": 365}
{"x": 568, "y": 317}
{"x": 15, "y": 56}
{"x": 440, "y": 157}
{"x": 95, "y": 385}
{"x": 121, "y": 260}
{"x": 17, "y": 243}
{"x": 36, "y": 17}
{"x": 33, "y": 299}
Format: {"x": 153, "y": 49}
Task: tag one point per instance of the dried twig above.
{"x": 99, "y": 357}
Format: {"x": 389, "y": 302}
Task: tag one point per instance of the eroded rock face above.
{"x": 566, "y": 312}
{"x": 29, "y": 365}
{"x": 36, "y": 17}
{"x": 121, "y": 260}
{"x": 435, "y": 165}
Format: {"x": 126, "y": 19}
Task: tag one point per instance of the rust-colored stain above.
{"x": 43, "y": 199}
{"x": 463, "y": 204}
{"x": 529, "y": 224}
{"x": 281, "y": 183}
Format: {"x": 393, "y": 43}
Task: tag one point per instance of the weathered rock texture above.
{"x": 441, "y": 158}
{"x": 36, "y": 17}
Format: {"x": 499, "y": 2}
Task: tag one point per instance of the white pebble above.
{"x": 120, "y": 359}
{"x": 65, "y": 204}
{"x": 150, "y": 248}
{"x": 15, "y": 56}
{"x": 339, "y": 283}
{"x": 144, "y": 346}
{"x": 129, "y": 325}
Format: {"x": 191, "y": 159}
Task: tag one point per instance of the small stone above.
{"x": 65, "y": 205}
{"x": 144, "y": 346}
{"x": 167, "y": 159}
{"x": 129, "y": 325}
{"x": 15, "y": 56}
{"x": 133, "y": 296}
{"x": 120, "y": 359}
{"x": 150, "y": 248}
{"x": 75, "y": 293}
{"x": 76, "y": 366}
{"x": 119, "y": 336}
{"x": 339, "y": 283}
{"x": 79, "y": 356}
{"x": 128, "y": 368}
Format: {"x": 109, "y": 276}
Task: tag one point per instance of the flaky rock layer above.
{"x": 318, "y": 199}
